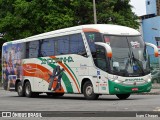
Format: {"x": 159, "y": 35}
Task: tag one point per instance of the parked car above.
{"x": 155, "y": 76}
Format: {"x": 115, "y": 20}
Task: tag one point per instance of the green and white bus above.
{"x": 91, "y": 59}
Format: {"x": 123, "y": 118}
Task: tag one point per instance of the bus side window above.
{"x": 63, "y": 45}
{"x": 100, "y": 59}
{"x": 33, "y": 49}
{"x": 47, "y": 47}
{"x": 91, "y": 38}
{"x": 27, "y": 50}
{"x": 56, "y": 47}
{"x": 77, "y": 44}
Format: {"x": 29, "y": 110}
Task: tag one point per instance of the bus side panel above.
{"x": 12, "y": 69}
{"x": 41, "y": 71}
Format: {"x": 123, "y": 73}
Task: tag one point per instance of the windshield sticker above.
{"x": 107, "y": 40}
{"x": 91, "y": 37}
{"x": 135, "y": 44}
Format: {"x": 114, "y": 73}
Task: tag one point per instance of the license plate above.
{"x": 134, "y": 89}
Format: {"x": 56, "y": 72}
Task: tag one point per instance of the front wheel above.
{"x": 89, "y": 92}
{"x": 122, "y": 96}
{"x": 155, "y": 81}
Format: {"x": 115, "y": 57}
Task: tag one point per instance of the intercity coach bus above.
{"x": 90, "y": 59}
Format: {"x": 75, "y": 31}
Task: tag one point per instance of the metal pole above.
{"x": 94, "y": 10}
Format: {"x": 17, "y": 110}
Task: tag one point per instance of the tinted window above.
{"x": 62, "y": 45}
{"x": 27, "y": 50}
{"x": 100, "y": 59}
{"x": 116, "y": 41}
{"x": 47, "y": 47}
{"x": 33, "y": 49}
{"x": 129, "y": 56}
{"x": 93, "y": 37}
{"x": 71, "y": 44}
{"x": 76, "y": 44}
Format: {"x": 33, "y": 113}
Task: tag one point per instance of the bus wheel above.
{"x": 28, "y": 91}
{"x": 89, "y": 92}
{"x": 55, "y": 94}
{"x": 20, "y": 90}
{"x": 122, "y": 96}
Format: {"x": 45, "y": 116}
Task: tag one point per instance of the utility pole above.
{"x": 94, "y": 10}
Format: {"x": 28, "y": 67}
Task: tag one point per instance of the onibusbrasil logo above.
{"x": 21, "y": 114}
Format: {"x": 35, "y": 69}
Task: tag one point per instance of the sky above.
{"x": 139, "y": 7}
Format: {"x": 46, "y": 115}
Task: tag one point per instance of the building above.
{"x": 151, "y": 26}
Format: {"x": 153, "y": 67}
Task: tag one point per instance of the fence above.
{"x": 155, "y": 71}
{"x": 154, "y": 62}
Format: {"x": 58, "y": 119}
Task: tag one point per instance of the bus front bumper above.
{"x": 115, "y": 88}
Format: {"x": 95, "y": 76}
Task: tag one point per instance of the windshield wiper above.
{"x": 137, "y": 61}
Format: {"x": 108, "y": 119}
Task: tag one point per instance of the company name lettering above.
{"x": 136, "y": 79}
{"x": 56, "y": 60}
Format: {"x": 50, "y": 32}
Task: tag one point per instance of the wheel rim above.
{"x": 89, "y": 90}
{"x": 19, "y": 89}
{"x": 27, "y": 90}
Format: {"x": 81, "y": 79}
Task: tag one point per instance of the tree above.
{"x": 23, "y": 18}
{"x": 114, "y": 12}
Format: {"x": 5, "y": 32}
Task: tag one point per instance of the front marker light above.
{"x": 150, "y": 76}
{"x": 117, "y": 81}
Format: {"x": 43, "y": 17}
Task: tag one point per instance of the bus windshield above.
{"x": 129, "y": 55}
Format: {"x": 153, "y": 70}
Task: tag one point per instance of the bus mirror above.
{"x": 154, "y": 47}
{"x": 107, "y": 47}
{"x": 109, "y": 55}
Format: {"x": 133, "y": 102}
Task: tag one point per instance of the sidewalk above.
{"x": 154, "y": 91}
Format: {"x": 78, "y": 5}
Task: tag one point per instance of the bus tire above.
{"x": 89, "y": 92}
{"x": 28, "y": 90}
{"x": 122, "y": 96}
{"x": 55, "y": 94}
{"x": 20, "y": 90}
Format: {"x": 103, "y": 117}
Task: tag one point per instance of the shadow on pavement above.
{"x": 67, "y": 97}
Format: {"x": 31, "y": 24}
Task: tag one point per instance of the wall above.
{"x": 151, "y": 7}
{"x": 151, "y": 29}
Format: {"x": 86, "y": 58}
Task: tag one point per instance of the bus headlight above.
{"x": 149, "y": 80}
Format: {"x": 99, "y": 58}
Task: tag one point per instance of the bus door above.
{"x": 102, "y": 64}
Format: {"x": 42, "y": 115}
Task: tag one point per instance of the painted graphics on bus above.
{"x": 12, "y": 65}
{"x": 14, "y": 68}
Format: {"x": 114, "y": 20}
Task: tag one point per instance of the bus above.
{"x": 95, "y": 59}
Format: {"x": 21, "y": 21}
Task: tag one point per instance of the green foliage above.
{"x": 0, "y": 74}
{"x": 23, "y": 18}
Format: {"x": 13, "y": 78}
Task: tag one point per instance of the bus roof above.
{"x": 102, "y": 28}
{"x": 112, "y": 29}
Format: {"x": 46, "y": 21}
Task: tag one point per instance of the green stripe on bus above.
{"x": 64, "y": 78}
{"x": 73, "y": 74}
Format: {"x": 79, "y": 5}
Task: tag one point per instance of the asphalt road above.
{"x": 9, "y": 101}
